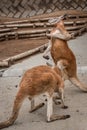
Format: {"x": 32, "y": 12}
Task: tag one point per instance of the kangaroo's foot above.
{"x": 57, "y": 117}
{"x": 46, "y": 57}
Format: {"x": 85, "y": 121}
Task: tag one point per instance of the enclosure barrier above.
{"x": 28, "y": 8}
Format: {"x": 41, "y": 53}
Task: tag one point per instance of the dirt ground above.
{"x": 14, "y": 47}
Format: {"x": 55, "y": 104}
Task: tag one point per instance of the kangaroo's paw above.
{"x": 46, "y": 57}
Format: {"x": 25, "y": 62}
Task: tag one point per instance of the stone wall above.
{"x": 27, "y": 8}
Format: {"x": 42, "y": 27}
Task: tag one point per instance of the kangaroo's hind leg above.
{"x": 50, "y": 115}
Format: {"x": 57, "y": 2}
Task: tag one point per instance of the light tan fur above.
{"x": 38, "y": 80}
{"x": 64, "y": 57}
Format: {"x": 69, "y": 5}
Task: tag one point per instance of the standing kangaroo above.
{"x": 38, "y": 80}
{"x": 63, "y": 56}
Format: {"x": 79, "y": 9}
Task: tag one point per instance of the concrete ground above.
{"x": 75, "y": 99}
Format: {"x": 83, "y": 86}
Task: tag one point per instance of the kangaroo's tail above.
{"x": 78, "y": 84}
{"x": 17, "y": 105}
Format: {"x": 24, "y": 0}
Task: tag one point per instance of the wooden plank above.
{"x": 25, "y": 54}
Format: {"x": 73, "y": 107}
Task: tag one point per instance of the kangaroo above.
{"x": 56, "y": 32}
{"x": 36, "y": 81}
{"x": 63, "y": 56}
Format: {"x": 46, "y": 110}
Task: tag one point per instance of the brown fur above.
{"x": 36, "y": 81}
{"x": 64, "y": 58}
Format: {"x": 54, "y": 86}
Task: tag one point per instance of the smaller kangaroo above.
{"x": 36, "y": 81}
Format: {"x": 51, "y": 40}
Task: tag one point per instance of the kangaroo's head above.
{"x": 59, "y": 31}
{"x": 62, "y": 30}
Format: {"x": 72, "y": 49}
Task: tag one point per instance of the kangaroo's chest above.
{"x": 60, "y": 50}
